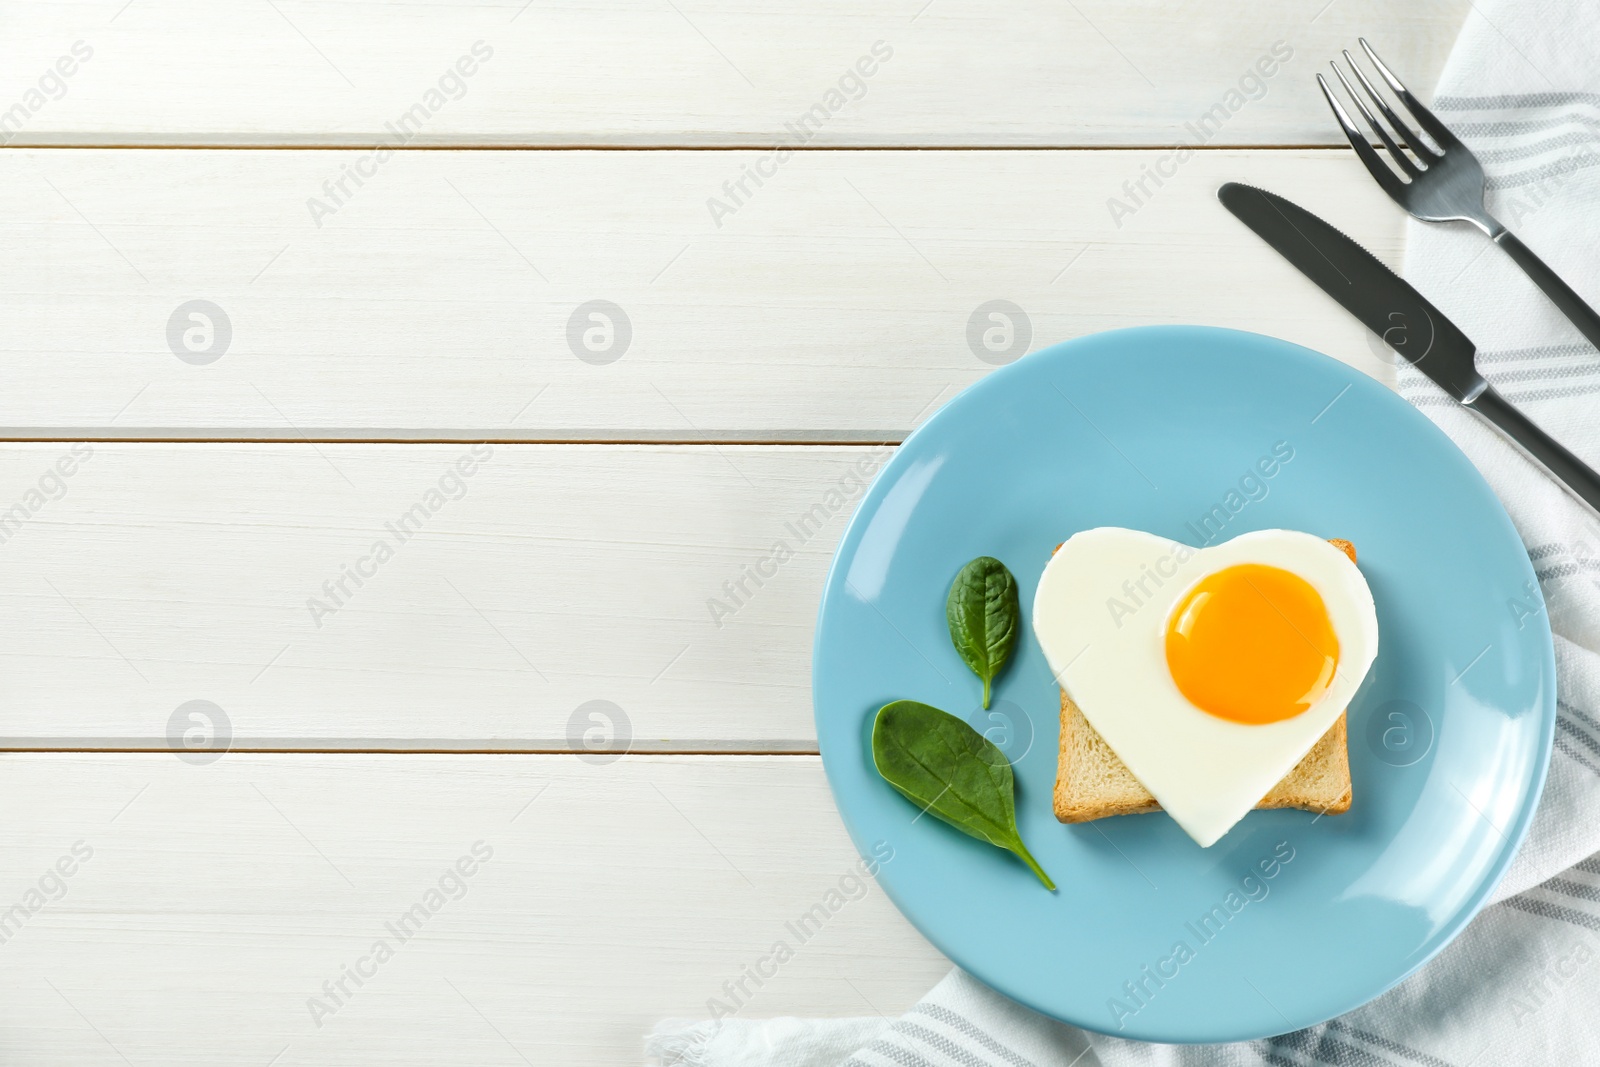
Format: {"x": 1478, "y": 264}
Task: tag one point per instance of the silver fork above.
{"x": 1440, "y": 185}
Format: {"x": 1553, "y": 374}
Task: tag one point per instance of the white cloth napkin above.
{"x": 1521, "y": 985}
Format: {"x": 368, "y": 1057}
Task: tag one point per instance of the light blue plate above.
{"x": 1450, "y": 736}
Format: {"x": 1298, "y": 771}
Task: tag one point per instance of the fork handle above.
{"x": 1573, "y": 306}
{"x": 1571, "y": 472}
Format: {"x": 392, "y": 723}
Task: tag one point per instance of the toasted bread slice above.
{"x": 1092, "y": 783}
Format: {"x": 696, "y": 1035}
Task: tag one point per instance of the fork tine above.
{"x": 1399, "y": 156}
{"x": 1396, "y": 123}
{"x": 1386, "y": 178}
{"x": 1436, "y": 129}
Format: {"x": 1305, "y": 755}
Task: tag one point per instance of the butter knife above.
{"x": 1405, "y": 320}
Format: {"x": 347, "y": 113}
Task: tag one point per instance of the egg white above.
{"x": 1100, "y": 615}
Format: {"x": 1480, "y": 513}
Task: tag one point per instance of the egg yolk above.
{"x": 1252, "y": 644}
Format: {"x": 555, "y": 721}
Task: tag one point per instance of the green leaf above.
{"x": 984, "y": 617}
{"x": 951, "y": 771}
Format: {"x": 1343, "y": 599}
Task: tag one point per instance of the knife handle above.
{"x": 1573, "y": 473}
{"x": 1573, "y": 306}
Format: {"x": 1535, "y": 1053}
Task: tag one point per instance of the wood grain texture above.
{"x": 836, "y": 303}
{"x": 498, "y": 605}
{"x": 960, "y": 72}
{"x": 432, "y": 301}
{"x": 215, "y": 902}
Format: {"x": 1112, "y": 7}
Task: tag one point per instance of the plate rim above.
{"x": 1517, "y": 834}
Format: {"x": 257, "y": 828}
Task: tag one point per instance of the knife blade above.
{"x": 1388, "y": 305}
{"x": 1404, "y": 320}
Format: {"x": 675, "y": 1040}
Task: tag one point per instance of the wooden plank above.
{"x": 634, "y": 72}
{"x": 496, "y": 604}
{"x": 207, "y": 906}
{"x": 451, "y": 296}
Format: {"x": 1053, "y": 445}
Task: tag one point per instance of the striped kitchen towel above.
{"x": 1522, "y": 984}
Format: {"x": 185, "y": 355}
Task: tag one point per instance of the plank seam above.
{"x": 158, "y": 749}
{"x": 892, "y": 438}
{"x": 362, "y": 146}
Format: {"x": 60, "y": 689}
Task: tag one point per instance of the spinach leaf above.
{"x": 948, "y": 769}
{"x": 984, "y": 617}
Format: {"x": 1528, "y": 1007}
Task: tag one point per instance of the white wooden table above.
{"x": 375, "y": 316}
